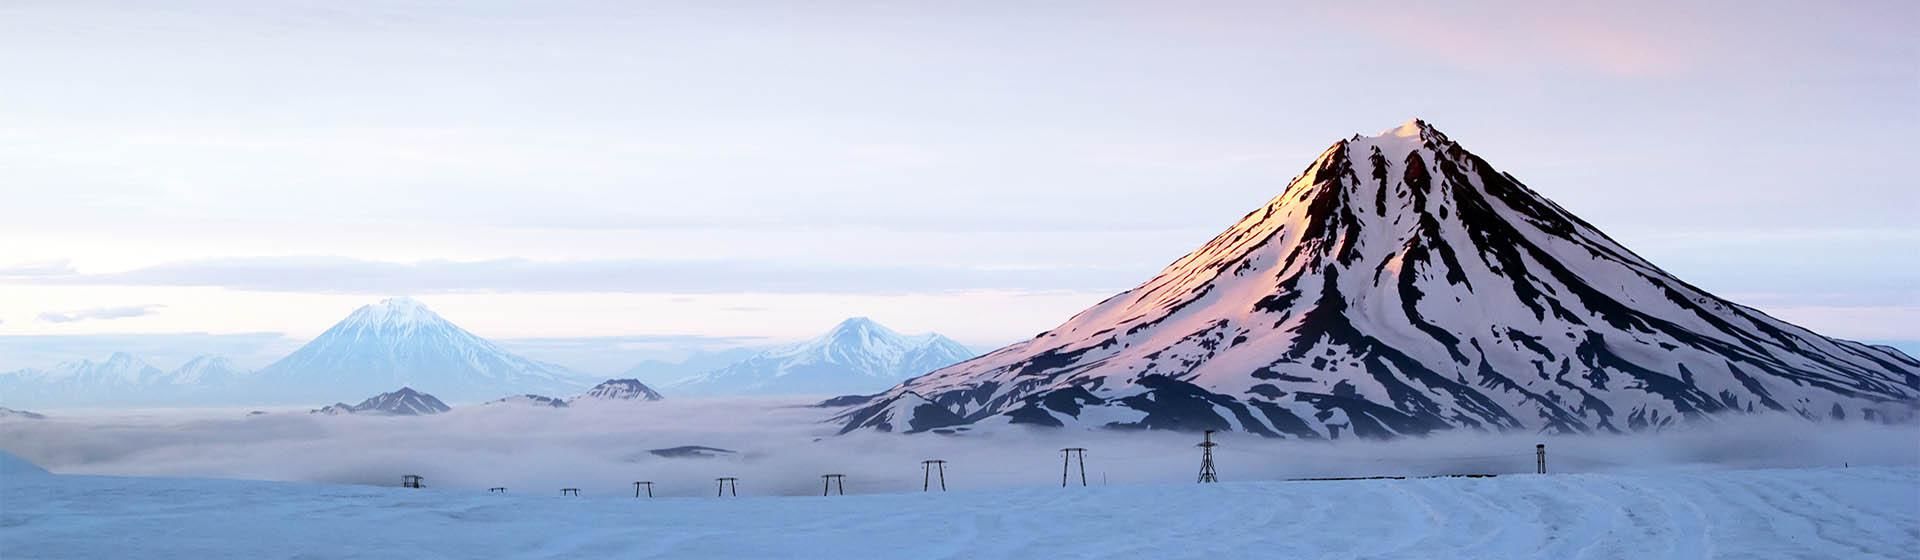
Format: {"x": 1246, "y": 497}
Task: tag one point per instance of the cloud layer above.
{"x": 784, "y": 449}
{"x": 99, "y": 313}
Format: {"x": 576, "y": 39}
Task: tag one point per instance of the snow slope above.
{"x": 399, "y": 342}
{"x": 1399, "y": 286}
{"x": 858, "y": 355}
{"x": 13, "y": 466}
{"x": 1863, "y": 513}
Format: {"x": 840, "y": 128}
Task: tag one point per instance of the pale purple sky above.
{"x": 654, "y": 174}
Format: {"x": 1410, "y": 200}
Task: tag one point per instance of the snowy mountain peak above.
{"x": 1413, "y": 128}
{"x": 858, "y": 355}
{"x": 118, "y": 368}
{"x": 205, "y": 368}
{"x": 859, "y": 331}
{"x": 121, "y": 378}
{"x": 1402, "y": 285}
{"x": 404, "y": 402}
{"x": 618, "y": 390}
{"x": 395, "y": 312}
{"x": 398, "y": 341}
{"x": 859, "y": 325}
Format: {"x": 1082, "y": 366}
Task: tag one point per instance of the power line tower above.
{"x": 1066, "y": 460}
{"x": 927, "y": 468}
{"x": 1206, "y": 458}
{"x": 829, "y": 480}
{"x": 727, "y": 483}
{"x": 646, "y": 483}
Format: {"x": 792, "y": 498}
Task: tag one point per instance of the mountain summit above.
{"x": 1402, "y": 285}
{"x": 400, "y": 342}
{"x": 858, "y": 355}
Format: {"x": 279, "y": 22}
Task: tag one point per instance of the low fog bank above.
{"x": 784, "y": 448}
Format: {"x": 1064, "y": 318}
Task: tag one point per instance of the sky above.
{"x": 627, "y": 180}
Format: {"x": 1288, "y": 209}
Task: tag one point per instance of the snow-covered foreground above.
{"x": 1871, "y": 512}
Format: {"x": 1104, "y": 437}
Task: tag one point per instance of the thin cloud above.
{"x": 355, "y": 276}
{"x": 100, "y": 313}
{"x": 33, "y": 270}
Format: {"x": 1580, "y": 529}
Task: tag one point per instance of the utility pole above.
{"x": 1066, "y": 460}
{"x": 1206, "y": 458}
{"x": 827, "y": 482}
{"x": 646, "y": 483}
{"x": 727, "y": 483}
{"x": 1540, "y": 458}
{"x": 927, "y": 469}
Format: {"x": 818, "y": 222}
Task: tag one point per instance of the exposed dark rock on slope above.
{"x": 1402, "y": 285}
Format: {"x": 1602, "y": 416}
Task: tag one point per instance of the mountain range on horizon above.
{"x": 121, "y": 378}
{"x": 399, "y": 342}
{"x": 1402, "y": 285}
{"x": 859, "y": 355}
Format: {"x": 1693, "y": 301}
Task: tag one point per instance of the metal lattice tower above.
{"x": 1206, "y": 458}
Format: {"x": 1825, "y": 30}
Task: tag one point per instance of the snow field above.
{"x": 1871, "y": 512}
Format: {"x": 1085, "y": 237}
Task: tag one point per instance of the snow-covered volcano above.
{"x": 857, "y": 356}
{"x": 399, "y": 342}
{"x": 1403, "y": 285}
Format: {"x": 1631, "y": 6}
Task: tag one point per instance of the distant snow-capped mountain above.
{"x": 206, "y": 370}
{"x": 404, "y": 402}
{"x": 614, "y": 390}
{"x": 399, "y": 341}
{"x": 1400, "y": 286}
{"x": 664, "y": 372}
{"x": 120, "y": 379}
{"x": 857, "y": 356}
